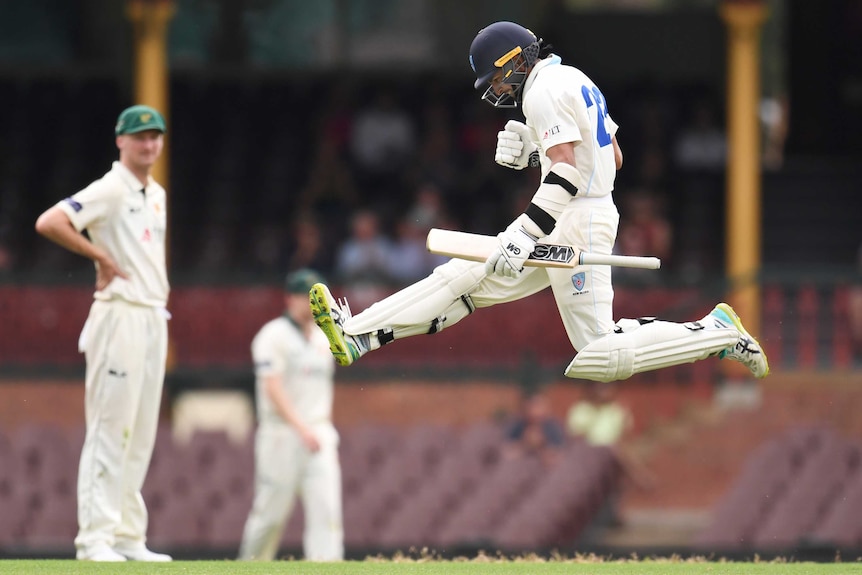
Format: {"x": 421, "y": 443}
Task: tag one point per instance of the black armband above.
{"x": 554, "y": 178}
{"x": 543, "y": 219}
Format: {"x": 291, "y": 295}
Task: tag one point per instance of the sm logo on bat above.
{"x": 553, "y": 253}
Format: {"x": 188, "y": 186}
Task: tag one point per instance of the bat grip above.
{"x": 642, "y": 262}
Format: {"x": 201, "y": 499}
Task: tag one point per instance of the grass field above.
{"x": 480, "y": 566}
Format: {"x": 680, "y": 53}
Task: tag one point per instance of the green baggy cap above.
{"x": 139, "y": 118}
{"x": 300, "y": 281}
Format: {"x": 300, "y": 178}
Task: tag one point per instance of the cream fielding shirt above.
{"x": 129, "y": 221}
{"x": 306, "y": 368}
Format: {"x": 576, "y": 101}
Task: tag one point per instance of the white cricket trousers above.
{"x": 125, "y": 346}
{"x": 584, "y": 298}
{"x": 285, "y": 468}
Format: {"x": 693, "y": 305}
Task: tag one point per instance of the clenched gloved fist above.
{"x": 515, "y": 246}
{"x": 515, "y": 149}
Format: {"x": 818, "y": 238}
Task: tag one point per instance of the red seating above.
{"x": 841, "y": 525}
{"x": 842, "y": 339}
{"x": 794, "y": 489}
{"x": 498, "y": 493}
{"x": 224, "y": 526}
{"x": 771, "y": 326}
{"x": 810, "y": 493}
{"x": 53, "y": 524}
{"x": 213, "y": 326}
{"x": 426, "y": 486}
{"x": 807, "y": 308}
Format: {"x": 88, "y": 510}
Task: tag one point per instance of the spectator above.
{"x": 701, "y": 145}
{"x": 600, "y": 419}
{"x": 429, "y": 207}
{"x": 383, "y": 141}
{"x": 774, "y": 116}
{"x": 410, "y": 259}
{"x": 330, "y": 188}
{"x": 643, "y": 231}
{"x": 265, "y": 255}
{"x": 364, "y": 258}
{"x": 216, "y": 248}
{"x": 437, "y": 160}
{"x": 535, "y": 431}
{"x": 307, "y": 247}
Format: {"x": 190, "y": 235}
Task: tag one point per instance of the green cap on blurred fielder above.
{"x": 139, "y": 118}
{"x": 300, "y": 281}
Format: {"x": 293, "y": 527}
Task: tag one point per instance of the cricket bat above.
{"x": 477, "y": 248}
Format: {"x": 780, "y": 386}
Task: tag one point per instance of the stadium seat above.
{"x": 54, "y": 524}
{"x": 810, "y": 493}
{"x": 224, "y": 526}
{"x": 841, "y": 525}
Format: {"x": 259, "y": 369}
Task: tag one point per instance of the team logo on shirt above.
{"x": 579, "y": 280}
{"x": 75, "y": 204}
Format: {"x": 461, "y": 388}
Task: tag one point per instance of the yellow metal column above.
{"x": 150, "y": 19}
{"x": 743, "y": 231}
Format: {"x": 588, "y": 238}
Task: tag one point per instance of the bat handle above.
{"x": 642, "y": 262}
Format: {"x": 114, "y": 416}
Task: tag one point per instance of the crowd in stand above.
{"x": 348, "y": 177}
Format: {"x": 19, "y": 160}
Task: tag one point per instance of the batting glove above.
{"x": 515, "y": 246}
{"x": 515, "y": 149}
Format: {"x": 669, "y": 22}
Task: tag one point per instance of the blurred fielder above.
{"x": 296, "y": 450}
{"x": 571, "y": 137}
{"x": 124, "y": 339}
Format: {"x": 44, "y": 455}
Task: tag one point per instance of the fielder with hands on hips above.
{"x": 569, "y": 134}
{"x": 125, "y": 337}
{"x": 296, "y": 445}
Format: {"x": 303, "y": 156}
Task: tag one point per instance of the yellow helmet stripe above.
{"x": 508, "y": 56}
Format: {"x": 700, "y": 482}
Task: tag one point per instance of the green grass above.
{"x": 480, "y": 566}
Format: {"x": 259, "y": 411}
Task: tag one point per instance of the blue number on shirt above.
{"x": 594, "y": 96}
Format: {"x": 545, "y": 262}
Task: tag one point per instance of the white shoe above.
{"x": 330, "y": 317}
{"x": 747, "y": 350}
{"x": 141, "y": 553}
{"x": 99, "y": 553}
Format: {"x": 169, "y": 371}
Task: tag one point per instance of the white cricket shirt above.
{"x": 128, "y": 221}
{"x": 306, "y": 368}
{"x": 561, "y": 104}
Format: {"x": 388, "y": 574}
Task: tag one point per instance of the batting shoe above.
{"x": 330, "y": 316}
{"x": 747, "y": 350}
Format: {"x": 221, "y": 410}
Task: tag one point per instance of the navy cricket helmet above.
{"x": 498, "y": 47}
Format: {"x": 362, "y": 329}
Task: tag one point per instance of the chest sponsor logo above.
{"x": 550, "y": 132}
